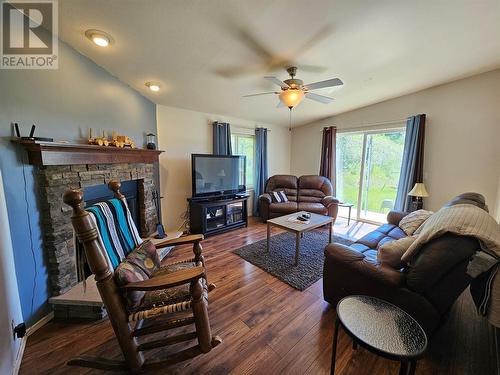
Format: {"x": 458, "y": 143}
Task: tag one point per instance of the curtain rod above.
{"x": 243, "y": 127}
{"x": 369, "y": 125}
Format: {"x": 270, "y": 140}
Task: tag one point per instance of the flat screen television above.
{"x": 216, "y": 175}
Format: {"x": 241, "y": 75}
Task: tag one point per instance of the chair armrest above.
{"x": 192, "y": 238}
{"x": 329, "y": 200}
{"x": 355, "y": 263}
{"x": 167, "y": 280}
{"x": 394, "y": 217}
{"x": 265, "y": 198}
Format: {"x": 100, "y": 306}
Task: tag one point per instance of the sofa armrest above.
{"x": 358, "y": 264}
{"x": 349, "y": 272}
{"x": 263, "y": 204}
{"x": 394, "y": 217}
{"x": 329, "y": 200}
{"x": 265, "y": 198}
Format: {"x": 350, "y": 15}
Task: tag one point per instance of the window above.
{"x": 368, "y": 166}
{"x": 245, "y": 145}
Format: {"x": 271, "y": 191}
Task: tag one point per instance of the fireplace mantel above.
{"x": 55, "y": 153}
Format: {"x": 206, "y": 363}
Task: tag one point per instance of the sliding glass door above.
{"x": 368, "y": 167}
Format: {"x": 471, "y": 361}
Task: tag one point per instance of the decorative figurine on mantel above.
{"x": 122, "y": 141}
{"x": 118, "y": 140}
{"x": 98, "y": 141}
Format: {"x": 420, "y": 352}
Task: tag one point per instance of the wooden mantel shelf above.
{"x": 55, "y": 153}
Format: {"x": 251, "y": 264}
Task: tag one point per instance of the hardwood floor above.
{"x": 267, "y": 327}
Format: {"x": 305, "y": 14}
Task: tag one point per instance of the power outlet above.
{"x": 18, "y": 331}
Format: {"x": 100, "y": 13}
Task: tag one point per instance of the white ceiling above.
{"x": 380, "y": 49}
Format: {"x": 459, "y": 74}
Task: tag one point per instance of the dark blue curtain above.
{"x": 261, "y": 173}
{"x": 413, "y": 161}
{"x": 221, "y": 138}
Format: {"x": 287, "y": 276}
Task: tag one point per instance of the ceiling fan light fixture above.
{"x": 291, "y": 97}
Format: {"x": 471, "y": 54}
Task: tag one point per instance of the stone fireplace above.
{"x": 59, "y": 242}
{"x": 64, "y": 166}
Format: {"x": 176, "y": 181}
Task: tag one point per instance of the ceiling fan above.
{"x": 293, "y": 89}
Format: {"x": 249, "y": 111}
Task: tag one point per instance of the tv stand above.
{"x": 215, "y": 215}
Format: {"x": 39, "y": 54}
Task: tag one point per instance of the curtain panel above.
{"x": 412, "y": 165}
{"x": 328, "y": 155}
{"x": 261, "y": 167}
{"x": 221, "y": 138}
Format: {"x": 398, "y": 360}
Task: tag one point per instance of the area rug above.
{"x": 279, "y": 260}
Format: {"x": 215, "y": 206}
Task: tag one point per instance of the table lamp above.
{"x": 419, "y": 191}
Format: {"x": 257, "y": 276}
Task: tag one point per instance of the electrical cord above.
{"x": 185, "y": 217}
{"x": 30, "y": 236}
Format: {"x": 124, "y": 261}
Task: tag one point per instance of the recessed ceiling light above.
{"x": 153, "y": 86}
{"x": 99, "y": 38}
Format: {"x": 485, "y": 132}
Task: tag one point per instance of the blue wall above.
{"x": 63, "y": 104}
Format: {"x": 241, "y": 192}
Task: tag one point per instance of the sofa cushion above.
{"x": 390, "y": 252}
{"x": 317, "y": 208}
{"x": 384, "y": 233}
{"x": 283, "y": 182}
{"x": 313, "y": 188}
{"x": 411, "y": 222}
{"x": 283, "y": 208}
{"x": 279, "y": 196}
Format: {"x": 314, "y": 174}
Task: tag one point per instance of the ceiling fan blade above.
{"x": 280, "y": 104}
{"x": 319, "y": 98}
{"x": 277, "y": 81}
{"x": 261, "y": 93}
{"x": 327, "y": 83}
{"x": 251, "y": 41}
{"x": 236, "y": 71}
{"x": 322, "y": 33}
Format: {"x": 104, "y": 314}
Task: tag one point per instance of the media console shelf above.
{"x": 217, "y": 215}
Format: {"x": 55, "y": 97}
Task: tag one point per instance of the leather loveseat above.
{"x": 426, "y": 290}
{"x": 306, "y": 193}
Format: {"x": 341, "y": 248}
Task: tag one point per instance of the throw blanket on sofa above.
{"x": 467, "y": 220}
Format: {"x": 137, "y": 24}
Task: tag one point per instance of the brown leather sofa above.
{"x": 306, "y": 193}
{"x": 426, "y": 290}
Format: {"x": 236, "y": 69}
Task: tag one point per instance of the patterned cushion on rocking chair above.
{"x": 155, "y": 298}
{"x": 173, "y": 267}
{"x": 165, "y": 301}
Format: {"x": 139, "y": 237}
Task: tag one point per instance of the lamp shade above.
{"x": 291, "y": 97}
{"x": 419, "y": 190}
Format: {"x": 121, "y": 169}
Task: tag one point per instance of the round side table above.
{"x": 381, "y": 328}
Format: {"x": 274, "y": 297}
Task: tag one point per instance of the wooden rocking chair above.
{"x": 186, "y": 309}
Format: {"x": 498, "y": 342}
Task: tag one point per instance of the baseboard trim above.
{"x": 39, "y": 324}
{"x": 19, "y": 357}
{"x": 496, "y": 338}
{"x": 31, "y": 330}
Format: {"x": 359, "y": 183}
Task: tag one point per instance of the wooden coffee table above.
{"x": 299, "y": 229}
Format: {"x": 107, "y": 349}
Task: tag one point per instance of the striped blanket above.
{"x": 118, "y": 233}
